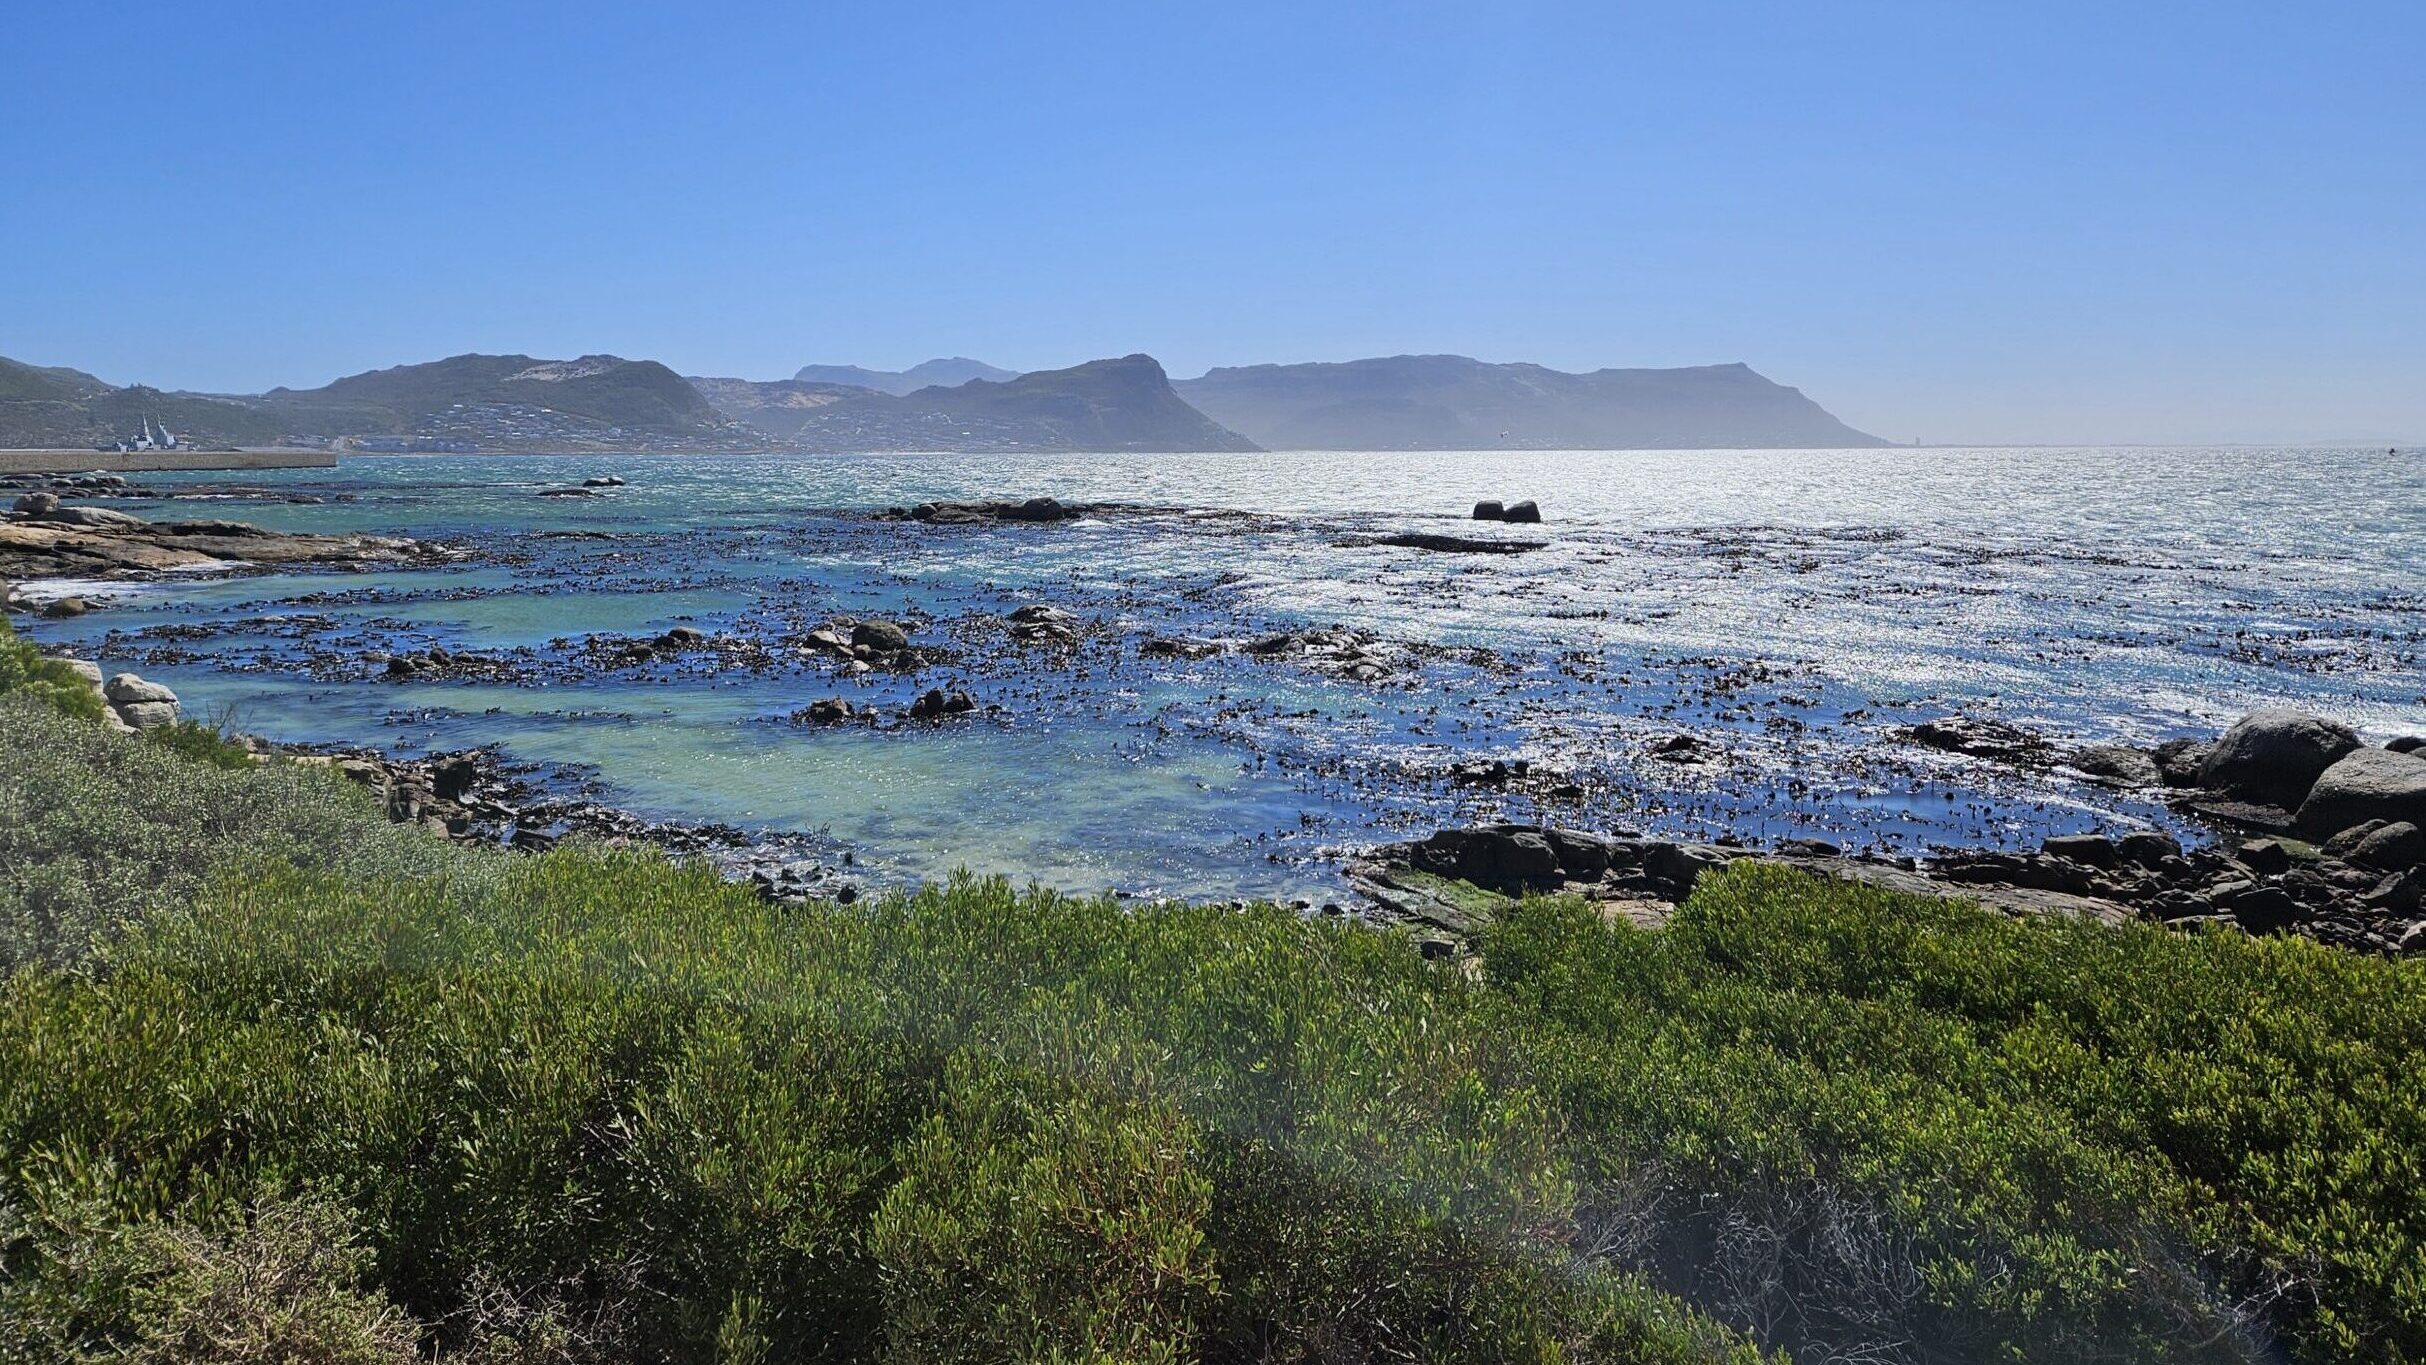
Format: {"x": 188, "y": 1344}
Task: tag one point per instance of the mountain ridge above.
{"x": 1123, "y": 403}
{"x": 943, "y": 370}
{"x": 1454, "y": 402}
{"x": 478, "y": 402}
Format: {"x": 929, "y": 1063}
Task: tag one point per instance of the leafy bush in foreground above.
{"x": 100, "y": 831}
{"x": 200, "y": 743}
{"x": 1853, "y": 1115}
{"x": 950, "y": 1127}
{"x": 23, "y": 670}
{"x": 597, "y": 1106}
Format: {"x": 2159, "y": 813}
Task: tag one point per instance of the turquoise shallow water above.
{"x": 1788, "y": 608}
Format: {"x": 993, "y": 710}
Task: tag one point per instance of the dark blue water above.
{"x": 1788, "y": 609}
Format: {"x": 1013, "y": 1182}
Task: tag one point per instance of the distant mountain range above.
{"x": 1451, "y": 402}
{"x": 600, "y": 402}
{"x": 1103, "y": 405}
{"x": 927, "y": 374}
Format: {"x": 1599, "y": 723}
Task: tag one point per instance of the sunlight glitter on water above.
{"x": 1791, "y": 608}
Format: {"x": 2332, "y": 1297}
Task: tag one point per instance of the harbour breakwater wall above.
{"x": 141, "y": 461}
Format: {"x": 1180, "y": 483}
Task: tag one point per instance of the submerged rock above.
{"x": 935, "y": 704}
{"x": 1032, "y": 510}
{"x": 1461, "y": 545}
{"x": 1980, "y": 738}
{"x": 827, "y": 711}
{"x": 2118, "y": 763}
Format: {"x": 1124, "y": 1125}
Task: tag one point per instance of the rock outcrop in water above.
{"x": 43, "y": 539}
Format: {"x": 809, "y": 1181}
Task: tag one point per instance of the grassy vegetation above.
{"x": 343, "y": 1093}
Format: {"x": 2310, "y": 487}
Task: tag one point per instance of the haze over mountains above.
{"x": 602, "y": 402}
{"x": 1103, "y": 405}
{"x": 1451, "y": 402}
{"x": 946, "y": 373}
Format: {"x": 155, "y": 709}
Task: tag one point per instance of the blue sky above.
{"x": 1953, "y": 221}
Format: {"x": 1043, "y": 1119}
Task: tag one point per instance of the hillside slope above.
{"x": 487, "y": 399}
{"x": 1445, "y": 402}
{"x": 465, "y": 402}
{"x": 777, "y": 407}
{"x": 54, "y": 408}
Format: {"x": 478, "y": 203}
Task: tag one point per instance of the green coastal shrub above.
{"x": 24, "y": 672}
{"x": 100, "y": 831}
{"x": 595, "y": 1105}
{"x": 1842, "y": 1114}
{"x": 201, "y": 743}
{"x": 1036, "y": 1218}
{"x": 788, "y": 1133}
{"x": 282, "y": 1280}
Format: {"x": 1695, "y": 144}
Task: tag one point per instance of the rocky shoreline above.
{"x": 43, "y": 538}
{"x": 2339, "y": 854}
{"x": 476, "y": 797}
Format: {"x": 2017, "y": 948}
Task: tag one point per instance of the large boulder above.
{"x": 147, "y": 715}
{"x": 94, "y": 517}
{"x": 2392, "y": 847}
{"x": 2178, "y": 761}
{"x": 1037, "y": 509}
{"x": 882, "y": 636}
{"x": 1673, "y": 868}
{"x": 127, "y": 690}
{"x": 2118, "y": 763}
{"x": 1499, "y": 857}
{"x": 2365, "y": 784}
{"x": 2274, "y": 757}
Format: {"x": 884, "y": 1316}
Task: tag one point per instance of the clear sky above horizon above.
{"x": 2045, "y": 222}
